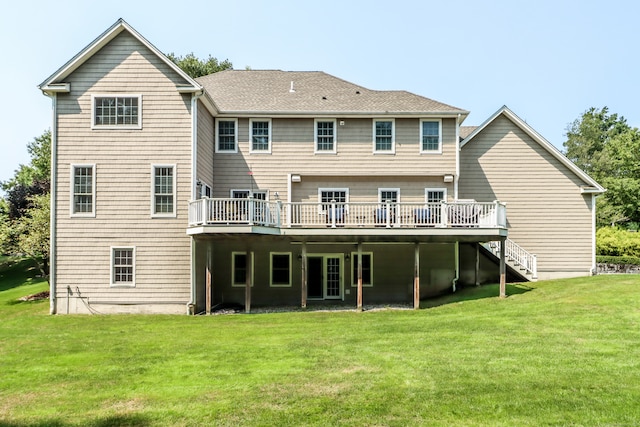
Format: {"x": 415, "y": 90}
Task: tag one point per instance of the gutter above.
{"x": 457, "y": 175}
{"x": 194, "y": 162}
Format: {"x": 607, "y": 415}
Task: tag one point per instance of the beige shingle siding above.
{"x": 123, "y": 160}
{"x": 546, "y": 212}
{"x": 293, "y": 152}
{"x": 205, "y": 145}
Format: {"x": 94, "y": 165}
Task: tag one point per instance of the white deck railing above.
{"x": 516, "y": 256}
{"x": 352, "y": 215}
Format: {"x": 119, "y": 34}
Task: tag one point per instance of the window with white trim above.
{"x": 123, "y": 266}
{"x": 163, "y": 190}
{"x": 430, "y": 136}
{"x": 435, "y": 195}
{"x": 116, "y": 111}
{"x": 391, "y": 195}
{"x": 260, "y": 135}
{"x": 367, "y": 269}
{"x": 384, "y": 136}
{"x": 227, "y": 136}
{"x": 280, "y": 269}
{"x": 327, "y": 196}
{"x": 83, "y": 190}
{"x": 239, "y": 268}
{"x": 325, "y": 136}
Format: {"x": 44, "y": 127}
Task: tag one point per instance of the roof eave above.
{"x": 294, "y": 113}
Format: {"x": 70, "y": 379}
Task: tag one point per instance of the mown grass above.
{"x": 563, "y": 352}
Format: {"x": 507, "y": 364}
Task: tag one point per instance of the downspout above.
{"x": 194, "y": 162}
{"x": 594, "y": 264}
{"x": 454, "y": 282}
{"x": 53, "y": 301}
{"x": 457, "y": 176}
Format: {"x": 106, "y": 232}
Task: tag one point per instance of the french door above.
{"x": 324, "y": 276}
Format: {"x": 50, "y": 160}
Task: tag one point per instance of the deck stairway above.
{"x": 521, "y": 262}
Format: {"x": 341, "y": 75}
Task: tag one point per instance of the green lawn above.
{"x": 561, "y": 352}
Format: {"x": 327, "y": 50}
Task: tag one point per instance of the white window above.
{"x": 384, "y": 136}
{"x": 116, "y": 111}
{"x": 391, "y": 195}
{"x": 430, "y": 136}
{"x": 123, "y": 266}
{"x": 205, "y": 189}
{"x": 367, "y": 269}
{"x": 83, "y": 190}
{"x": 227, "y": 136}
{"x": 325, "y": 136}
{"x": 280, "y": 269}
{"x": 260, "y": 135}
{"x": 435, "y": 195}
{"x": 327, "y": 196}
{"x": 239, "y": 267}
{"x": 163, "y": 189}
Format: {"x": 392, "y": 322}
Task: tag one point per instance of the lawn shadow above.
{"x": 109, "y": 421}
{"x": 15, "y": 272}
{"x": 470, "y": 293}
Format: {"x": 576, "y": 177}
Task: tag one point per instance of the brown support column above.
{"x": 303, "y": 267}
{"x": 359, "y": 276}
{"x": 208, "y": 291}
{"x": 416, "y": 277}
{"x": 503, "y": 270}
{"x": 248, "y": 283}
{"x": 478, "y": 264}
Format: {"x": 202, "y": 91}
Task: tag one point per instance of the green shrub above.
{"x": 613, "y": 241}
{"x": 629, "y": 260}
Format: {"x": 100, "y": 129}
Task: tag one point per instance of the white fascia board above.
{"x": 342, "y": 114}
{"x": 504, "y": 110}
{"x": 101, "y": 41}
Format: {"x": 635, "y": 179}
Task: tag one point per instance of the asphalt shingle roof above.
{"x": 270, "y": 91}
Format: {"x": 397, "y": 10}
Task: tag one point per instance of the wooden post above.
{"x": 303, "y": 267}
{"x": 359, "y": 302}
{"x": 208, "y": 280}
{"x": 416, "y": 277}
{"x": 477, "y": 264}
{"x": 503, "y": 269}
{"x": 208, "y": 291}
{"x": 248, "y": 283}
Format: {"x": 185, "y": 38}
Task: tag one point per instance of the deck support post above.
{"x": 303, "y": 266}
{"x": 359, "y": 302}
{"x": 208, "y": 297}
{"x": 503, "y": 269}
{"x": 477, "y": 264}
{"x": 248, "y": 283}
{"x": 416, "y": 277}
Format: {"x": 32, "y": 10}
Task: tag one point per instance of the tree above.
{"x": 608, "y": 149}
{"x": 196, "y": 67}
{"x": 24, "y": 211}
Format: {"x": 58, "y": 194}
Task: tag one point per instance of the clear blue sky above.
{"x": 548, "y": 61}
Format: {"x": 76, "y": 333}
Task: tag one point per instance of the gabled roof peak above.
{"x": 53, "y": 82}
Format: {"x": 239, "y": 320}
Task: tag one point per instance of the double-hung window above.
{"x": 123, "y": 266}
{"x": 83, "y": 190}
{"x": 431, "y": 136}
{"x": 433, "y": 196}
{"x": 227, "y": 136}
{"x": 116, "y": 111}
{"x": 367, "y": 269}
{"x": 260, "y": 135}
{"x": 163, "y": 190}
{"x": 280, "y": 269}
{"x": 325, "y": 136}
{"x": 240, "y": 267}
{"x": 384, "y": 136}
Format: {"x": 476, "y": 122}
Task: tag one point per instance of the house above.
{"x": 172, "y": 194}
